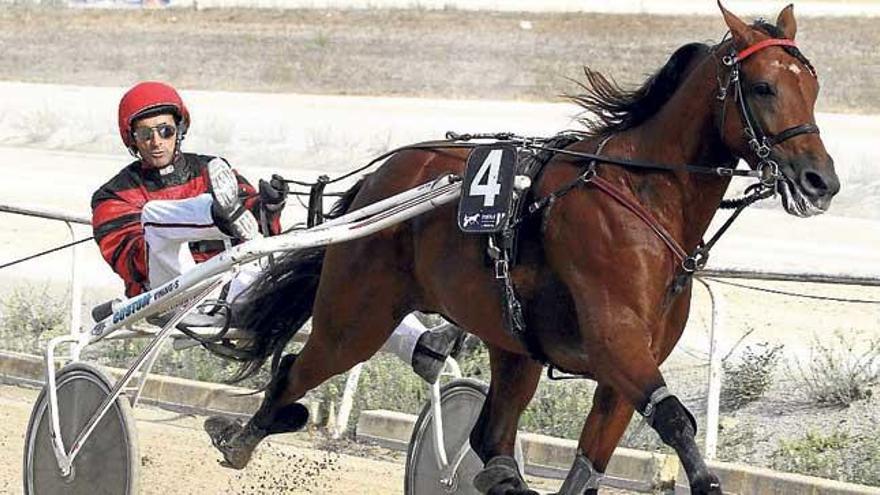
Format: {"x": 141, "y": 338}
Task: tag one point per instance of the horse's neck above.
{"x": 683, "y": 132}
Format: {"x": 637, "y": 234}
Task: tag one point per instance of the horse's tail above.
{"x": 281, "y": 300}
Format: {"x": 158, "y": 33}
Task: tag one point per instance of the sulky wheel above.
{"x": 461, "y": 401}
{"x": 108, "y": 461}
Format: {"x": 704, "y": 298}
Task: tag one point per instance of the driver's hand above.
{"x": 273, "y": 193}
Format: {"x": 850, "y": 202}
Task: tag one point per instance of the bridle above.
{"x": 760, "y": 142}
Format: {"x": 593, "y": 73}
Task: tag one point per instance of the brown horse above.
{"x": 596, "y": 281}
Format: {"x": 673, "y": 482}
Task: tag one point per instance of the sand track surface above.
{"x": 176, "y": 457}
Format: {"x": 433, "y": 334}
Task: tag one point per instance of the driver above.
{"x": 168, "y": 210}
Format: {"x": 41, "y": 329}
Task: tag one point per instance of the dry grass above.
{"x": 447, "y": 54}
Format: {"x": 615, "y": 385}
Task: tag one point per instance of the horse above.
{"x": 599, "y": 270}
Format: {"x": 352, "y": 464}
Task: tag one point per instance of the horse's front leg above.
{"x": 627, "y": 369}
{"x": 514, "y": 379}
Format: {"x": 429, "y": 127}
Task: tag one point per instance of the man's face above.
{"x": 155, "y": 150}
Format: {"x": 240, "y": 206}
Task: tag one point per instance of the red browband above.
{"x": 763, "y": 44}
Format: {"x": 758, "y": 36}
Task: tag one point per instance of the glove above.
{"x": 273, "y": 193}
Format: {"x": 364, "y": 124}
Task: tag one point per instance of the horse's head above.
{"x": 769, "y": 90}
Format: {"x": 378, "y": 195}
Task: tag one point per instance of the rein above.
{"x": 760, "y": 142}
{"x": 532, "y": 143}
{"x": 462, "y": 141}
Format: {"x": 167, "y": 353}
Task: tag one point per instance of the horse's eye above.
{"x": 763, "y": 89}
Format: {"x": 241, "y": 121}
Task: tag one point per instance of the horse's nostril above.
{"x": 814, "y": 182}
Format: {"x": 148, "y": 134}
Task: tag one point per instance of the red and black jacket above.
{"x": 117, "y": 205}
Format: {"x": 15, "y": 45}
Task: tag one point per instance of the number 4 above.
{"x": 485, "y": 181}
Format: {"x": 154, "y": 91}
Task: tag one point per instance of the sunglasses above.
{"x": 165, "y": 131}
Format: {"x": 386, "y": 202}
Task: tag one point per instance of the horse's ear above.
{"x": 786, "y": 23}
{"x": 743, "y": 35}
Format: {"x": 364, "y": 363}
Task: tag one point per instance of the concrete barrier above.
{"x": 545, "y": 456}
{"x": 747, "y": 480}
{"x": 167, "y": 391}
{"x": 390, "y": 429}
{"x": 551, "y": 457}
{"x": 22, "y": 366}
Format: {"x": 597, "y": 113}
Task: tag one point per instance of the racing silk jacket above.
{"x": 117, "y": 205}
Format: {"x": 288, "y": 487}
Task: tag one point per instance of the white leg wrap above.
{"x": 245, "y": 277}
{"x": 403, "y": 341}
{"x": 582, "y": 477}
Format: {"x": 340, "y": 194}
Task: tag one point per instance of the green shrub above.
{"x": 838, "y": 455}
{"x": 387, "y": 383}
{"x": 559, "y": 408}
{"x": 29, "y": 316}
{"x": 747, "y": 379}
{"x": 814, "y": 453}
{"x": 841, "y": 373}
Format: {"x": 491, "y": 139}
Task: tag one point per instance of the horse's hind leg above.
{"x": 514, "y": 379}
{"x": 342, "y": 336}
{"x": 602, "y": 430}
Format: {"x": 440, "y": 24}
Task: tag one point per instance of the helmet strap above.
{"x": 177, "y": 140}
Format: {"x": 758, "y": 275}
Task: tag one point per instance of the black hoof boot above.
{"x": 288, "y": 419}
{"x": 706, "y": 485}
{"x": 432, "y": 349}
{"x": 233, "y": 439}
{"x": 237, "y": 441}
{"x": 501, "y": 476}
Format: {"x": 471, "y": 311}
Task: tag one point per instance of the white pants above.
{"x": 169, "y": 227}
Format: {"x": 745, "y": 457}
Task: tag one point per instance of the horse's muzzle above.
{"x": 807, "y": 188}
{"x": 821, "y": 185}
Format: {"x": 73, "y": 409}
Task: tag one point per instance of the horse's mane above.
{"x": 615, "y": 109}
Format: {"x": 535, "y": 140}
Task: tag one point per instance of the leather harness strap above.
{"x": 760, "y": 142}
{"x": 746, "y": 53}
{"x": 641, "y": 212}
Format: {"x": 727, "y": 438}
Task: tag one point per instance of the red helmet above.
{"x": 146, "y": 96}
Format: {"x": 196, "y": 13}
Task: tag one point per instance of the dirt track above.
{"x": 445, "y": 54}
{"x": 177, "y": 458}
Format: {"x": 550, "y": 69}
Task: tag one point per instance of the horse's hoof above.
{"x": 226, "y": 435}
{"x": 507, "y": 489}
{"x": 501, "y": 476}
{"x": 709, "y": 485}
{"x": 221, "y": 429}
